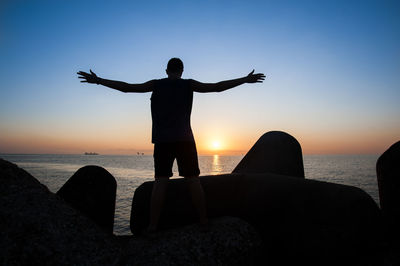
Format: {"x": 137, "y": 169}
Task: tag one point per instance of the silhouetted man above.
{"x": 171, "y": 106}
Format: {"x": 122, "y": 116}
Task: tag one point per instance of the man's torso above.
{"x": 171, "y": 107}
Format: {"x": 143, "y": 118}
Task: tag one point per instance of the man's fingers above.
{"x": 256, "y": 78}
{"x": 86, "y": 77}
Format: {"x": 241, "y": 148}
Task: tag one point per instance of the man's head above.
{"x": 174, "y": 68}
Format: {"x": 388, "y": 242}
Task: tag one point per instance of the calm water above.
{"x": 131, "y": 171}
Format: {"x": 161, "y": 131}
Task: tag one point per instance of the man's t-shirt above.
{"x": 171, "y": 107}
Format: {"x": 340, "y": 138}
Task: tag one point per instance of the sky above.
{"x": 332, "y": 67}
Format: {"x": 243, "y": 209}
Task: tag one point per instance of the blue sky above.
{"x": 333, "y": 72}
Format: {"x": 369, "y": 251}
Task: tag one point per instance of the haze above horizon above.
{"x": 333, "y": 73}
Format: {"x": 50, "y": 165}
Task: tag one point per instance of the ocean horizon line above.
{"x": 200, "y": 154}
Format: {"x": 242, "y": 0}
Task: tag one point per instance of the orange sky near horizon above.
{"x": 230, "y": 145}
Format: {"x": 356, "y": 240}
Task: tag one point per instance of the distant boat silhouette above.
{"x": 91, "y": 153}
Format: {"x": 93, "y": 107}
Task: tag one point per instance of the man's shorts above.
{"x": 185, "y": 154}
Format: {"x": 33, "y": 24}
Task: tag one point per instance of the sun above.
{"x": 216, "y": 145}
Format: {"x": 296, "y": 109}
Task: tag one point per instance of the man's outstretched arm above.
{"x": 227, "y": 84}
{"x": 114, "y": 84}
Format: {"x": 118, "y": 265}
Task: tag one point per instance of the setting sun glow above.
{"x": 216, "y": 145}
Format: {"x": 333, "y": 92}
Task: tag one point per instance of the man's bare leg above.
{"x": 198, "y": 198}
{"x": 157, "y": 201}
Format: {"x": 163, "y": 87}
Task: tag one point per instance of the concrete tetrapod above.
{"x": 92, "y": 190}
{"x": 298, "y": 220}
{"x": 274, "y": 152}
{"x": 388, "y": 174}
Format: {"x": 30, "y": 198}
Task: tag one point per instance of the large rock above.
{"x": 388, "y": 174}
{"x": 298, "y": 219}
{"x": 275, "y": 152}
{"x": 226, "y": 241}
{"x": 92, "y": 190}
{"x": 38, "y": 228}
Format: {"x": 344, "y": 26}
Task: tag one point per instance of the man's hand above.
{"x": 89, "y": 78}
{"x": 253, "y": 78}
{"x": 115, "y": 84}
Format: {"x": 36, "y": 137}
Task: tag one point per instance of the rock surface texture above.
{"x": 275, "y": 152}
{"x": 92, "y": 190}
{"x": 226, "y": 241}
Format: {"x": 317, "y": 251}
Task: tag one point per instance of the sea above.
{"x": 131, "y": 171}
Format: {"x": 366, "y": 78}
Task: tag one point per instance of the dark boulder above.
{"x": 39, "y": 228}
{"x": 388, "y": 174}
{"x": 299, "y": 219}
{"x": 92, "y": 190}
{"x": 275, "y": 152}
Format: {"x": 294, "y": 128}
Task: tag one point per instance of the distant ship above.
{"x": 91, "y": 153}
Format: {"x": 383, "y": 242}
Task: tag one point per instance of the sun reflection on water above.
{"x": 216, "y": 165}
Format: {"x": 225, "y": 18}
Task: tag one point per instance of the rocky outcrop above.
{"x": 275, "y": 152}
{"x": 39, "y": 228}
{"x": 92, "y": 190}
{"x": 226, "y": 241}
{"x": 308, "y": 219}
